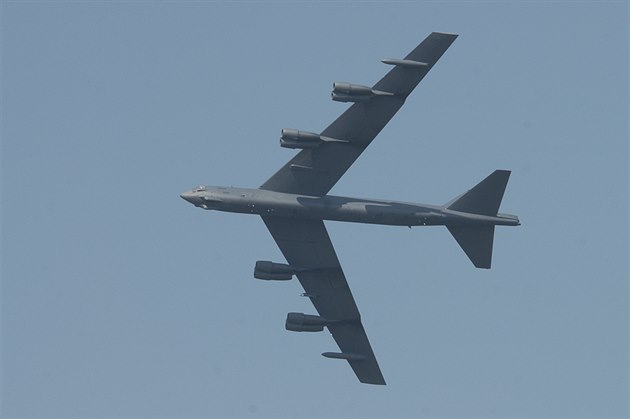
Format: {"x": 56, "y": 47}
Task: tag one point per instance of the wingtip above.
{"x": 378, "y": 382}
{"x": 454, "y": 35}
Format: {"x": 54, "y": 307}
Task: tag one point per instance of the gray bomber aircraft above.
{"x": 294, "y": 203}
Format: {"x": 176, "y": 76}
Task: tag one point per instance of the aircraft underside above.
{"x": 294, "y": 202}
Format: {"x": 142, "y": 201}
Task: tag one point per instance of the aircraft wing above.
{"x": 306, "y": 245}
{"x": 315, "y": 171}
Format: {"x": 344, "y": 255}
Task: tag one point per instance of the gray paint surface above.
{"x": 110, "y": 109}
{"x": 293, "y": 204}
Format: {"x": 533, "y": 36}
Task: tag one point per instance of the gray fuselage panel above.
{"x": 334, "y": 208}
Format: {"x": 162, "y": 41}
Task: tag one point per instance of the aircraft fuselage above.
{"x": 335, "y": 208}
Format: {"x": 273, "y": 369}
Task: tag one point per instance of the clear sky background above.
{"x": 119, "y": 299}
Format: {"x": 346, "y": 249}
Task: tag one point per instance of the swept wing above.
{"x": 305, "y": 243}
{"x": 316, "y": 171}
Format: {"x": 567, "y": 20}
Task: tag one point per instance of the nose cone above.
{"x": 187, "y": 196}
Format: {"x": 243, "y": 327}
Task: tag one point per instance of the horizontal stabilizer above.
{"x": 476, "y": 241}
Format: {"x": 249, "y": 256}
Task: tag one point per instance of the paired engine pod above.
{"x": 292, "y": 138}
{"x": 300, "y": 322}
{"x": 347, "y": 92}
{"x": 271, "y": 271}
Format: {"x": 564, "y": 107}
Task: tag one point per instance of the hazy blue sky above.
{"x": 119, "y": 299}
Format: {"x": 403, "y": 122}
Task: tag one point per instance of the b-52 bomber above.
{"x": 294, "y": 203}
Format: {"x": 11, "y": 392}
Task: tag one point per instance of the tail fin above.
{"x": 485, "y": 197}
{"x": 482, "y": 199}
{"x": 476, "y": 241}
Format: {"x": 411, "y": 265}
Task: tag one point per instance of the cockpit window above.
{"x": 200, "y": 189}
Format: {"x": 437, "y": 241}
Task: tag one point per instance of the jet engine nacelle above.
{"x": 270, "y": 271}
{"x": 300, "y": 322}
{"x": 346, "y": 92}
{"x": 292, "y": 138}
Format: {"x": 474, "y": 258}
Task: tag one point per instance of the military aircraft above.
{"x": 294, "y": 203}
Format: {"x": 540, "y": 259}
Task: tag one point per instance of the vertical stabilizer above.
{"x": 485, "y": 197}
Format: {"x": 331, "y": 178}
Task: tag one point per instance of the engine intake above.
{"x": 270, "y": 271}
{"x": 300, "y": 322}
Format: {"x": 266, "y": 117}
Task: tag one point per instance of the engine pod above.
{"x": 300, "y": 322}
{"x": 271, "y": 271}
{"x": 292, "y": 138}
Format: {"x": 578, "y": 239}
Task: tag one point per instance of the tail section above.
{"x": 483, "y": 199}
{"x": 476, "y": 241}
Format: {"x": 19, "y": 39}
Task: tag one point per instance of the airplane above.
{"x": 294, "y": 202}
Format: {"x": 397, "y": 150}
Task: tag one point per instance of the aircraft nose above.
{"x": 187, "y": 196}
